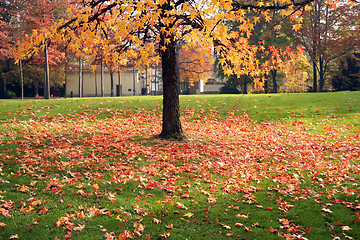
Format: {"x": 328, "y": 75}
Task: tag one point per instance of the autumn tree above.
{"x": 328, "y": 33}
{"x": 148, "y": 27}
{"x": 19, "y": 18}
{"x": 191, "y": 65}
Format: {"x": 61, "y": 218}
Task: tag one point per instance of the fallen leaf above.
{"x": 16, "y": 236}
{"x": 181, "y": 206}
{"x": 326, "y": 210}
{"x": 241, "y": 215}
{"x": 211, "y": 200}
{"x": 165, "y": 235}
{"x": 346, "y": 228}
{"x": 79, "y": 227}
{"x": 188, "y": 215}
{"x": 157, "y": 221}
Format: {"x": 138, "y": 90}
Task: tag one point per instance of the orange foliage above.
{"x": 193, "y": 66}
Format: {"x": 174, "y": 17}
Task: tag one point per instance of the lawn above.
{"x": 272, "y": 166}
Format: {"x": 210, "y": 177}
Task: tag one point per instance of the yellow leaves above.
{"x": 256, "y": 20}
{"x": 167, "y": 40}
{"x": 277, "y": 27}
{"x": 308, "y": 8}
{"x": 93, "y": 68}
{"x": 222, "y": 61}
{"x": 296, "y": 27}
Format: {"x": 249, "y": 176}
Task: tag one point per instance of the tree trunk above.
{"x": 134, "y": 80}
{"x": 102, "y": 77}
{"x": 171, "y": 125}
{"x": 46, "y": 74}
{"x": 21, "y": 79}
{"x": 36, "y": 89}
{"x": 111, "y": 83}
{"x": 266, "y": 86}
{"x": 321, "y": 74}
{"x": 80, "y": 77}
{"x": 273, "y": 75}
{"x": 96, "y": 86}
{"x": 314, "y": 77}
{"x": 119, "y": 80}
{"x": 245, "y": 85}
{"x": 316, "y": 39}
{"x": 66, "y": 75}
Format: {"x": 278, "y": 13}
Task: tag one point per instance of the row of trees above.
{"x": 20, "y": 18}
{"x": 236, "y": 33}
{"x": 329, "y": 36}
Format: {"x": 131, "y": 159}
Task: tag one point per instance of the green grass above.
{"x": 263, "y": 107}
{"x": 253, "y": 167}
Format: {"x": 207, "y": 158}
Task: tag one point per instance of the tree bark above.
{"x": 46, "y": 74}
{"x": 112, "y": 83}
{"x": 273, "y": 75}
{"x": 119, "y": 80}
{"x": 36, "y": 89}
{"x": 66, "y": 75}
{"x": 314, "y": 76}
{"x": 245, "y": 85}
{"x": 321, "y": 74}
{"x": 21, "y": 79}
{"x": 171, "y": 125}
{"x": 80, "y": 77}
{"x": 102, "y": 77}
{"x": 134, "y": 80}
{"x": 96, "y": 85}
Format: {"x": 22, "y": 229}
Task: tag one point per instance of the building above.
{"x": 130, "y": 82}
{"x": 126, "y": 83}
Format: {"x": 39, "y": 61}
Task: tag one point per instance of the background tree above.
{"x": 297, "y": 75}
{"x": 328, "y": 34}
{"x": 192, "y": 66}
{"x": 348, "y": 76}
{"x": 20, "y": 18}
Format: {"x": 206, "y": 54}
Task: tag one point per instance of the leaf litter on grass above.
{"x": 232, "y": 165}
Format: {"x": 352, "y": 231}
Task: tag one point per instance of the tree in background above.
{"x": 328, "y": 34}
{"x": 348, "y": 75}
{"x": 274, "y": 36}
{"x": 297, "y": 75}
{"x": 18, "y": 18}
{"x": 192, "y": 66}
